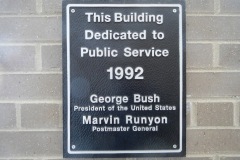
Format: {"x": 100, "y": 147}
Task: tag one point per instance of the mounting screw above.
{"x": 174, "y": 10}
{"x": 174, "y": 146}
{"x": 73, "y": 10}
{"x": 73, "y": 146}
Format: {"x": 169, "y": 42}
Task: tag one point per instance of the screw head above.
{"x": 73, "y": 146}
{"x": 174, "y": 146}
{"x": 174, "y": 10}
{"x": 73, "y": 10}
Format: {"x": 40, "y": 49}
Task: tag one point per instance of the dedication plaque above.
{"x": 124, "y": 78}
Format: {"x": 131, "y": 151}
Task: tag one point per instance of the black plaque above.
{"x": 124, "y": 78}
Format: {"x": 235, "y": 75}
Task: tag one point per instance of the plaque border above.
{"x": 180, "y": 78}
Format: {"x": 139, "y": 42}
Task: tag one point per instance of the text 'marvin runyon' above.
{"x": 129, "y": 119}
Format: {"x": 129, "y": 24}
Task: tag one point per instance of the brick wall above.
{"x": 31, "y": 82}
